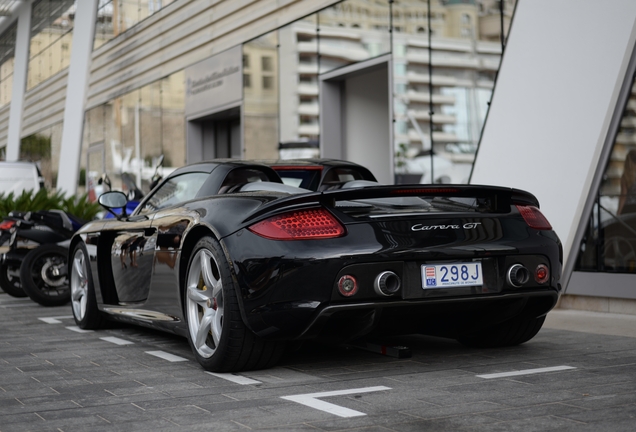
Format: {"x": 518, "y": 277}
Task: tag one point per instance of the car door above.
{"x": 144, "y": 255}
{"x": 132, "y": 253}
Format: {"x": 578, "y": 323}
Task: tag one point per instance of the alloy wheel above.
{"x": 79, "y": 284}
{"x": 204, "y": 303}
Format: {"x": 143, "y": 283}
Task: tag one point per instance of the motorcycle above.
{"x": 9, "y": 274}
{"x": 35, "y": 263}
{"x": 38, "y": 253}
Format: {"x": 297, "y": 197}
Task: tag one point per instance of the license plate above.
{"x": 451, "y": 275}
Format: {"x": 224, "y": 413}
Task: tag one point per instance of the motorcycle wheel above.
{"x": 10, "y": 280}
{"x": 38, "y": 277}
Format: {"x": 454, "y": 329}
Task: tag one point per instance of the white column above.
{"x": 20, "y": 70}
{"x": 76, "y": 92}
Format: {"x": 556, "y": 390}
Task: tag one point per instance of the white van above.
{"x": 19, "y": 176}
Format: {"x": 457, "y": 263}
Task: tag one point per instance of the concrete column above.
{"x": 76, "y": 92}
{"x": 20, "y": 71}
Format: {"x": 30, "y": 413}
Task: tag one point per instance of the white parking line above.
{"x": 238, "y": 379}
{"x": 55, "y": 320}
{"x": 166, "y": 356}
{"x": 311, "y": 400}
{"x": 78, "y": 330}
{"x": 116, "y": 340}
{"x": 525, "y": 372}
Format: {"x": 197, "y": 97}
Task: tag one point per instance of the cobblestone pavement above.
{"x": 126, "y": 378}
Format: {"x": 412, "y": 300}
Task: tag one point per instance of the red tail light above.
{"x": 5, "y": 225}
{"x": 534, "y": 218}
{"x": 300, "y": 225}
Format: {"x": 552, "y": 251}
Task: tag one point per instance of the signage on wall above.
{"x": 214, "y": 83}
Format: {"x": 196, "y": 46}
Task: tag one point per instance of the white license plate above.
{"x": 451, "y": 275}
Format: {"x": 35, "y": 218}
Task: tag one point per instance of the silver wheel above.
{"x": 204, "y": 294}
{"x": 79, "y": 284}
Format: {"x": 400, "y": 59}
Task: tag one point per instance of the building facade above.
{"x": 402, "y": 86}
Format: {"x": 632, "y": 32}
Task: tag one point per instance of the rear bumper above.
{"x": 447, "y": 317}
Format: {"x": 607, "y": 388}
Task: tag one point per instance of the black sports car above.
{"x": 227, "y": 255}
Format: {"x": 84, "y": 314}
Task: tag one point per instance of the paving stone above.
{"x": 52, "y": 378}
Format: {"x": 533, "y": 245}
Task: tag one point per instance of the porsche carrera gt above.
{"x": 227, "y": 255}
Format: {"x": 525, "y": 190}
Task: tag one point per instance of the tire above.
{"x": 84, "y": 304}
{"x": 217, "y": 334}
{"x": 10, "y": 280}
{"x": 38, "y": 280}
{"x": 509, "y": 333}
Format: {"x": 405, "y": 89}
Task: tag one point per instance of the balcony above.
{"x": 444, "y": 61}
{"x": 438, "y": 118}
{"x": 438, "y": 80}
{"x": 308, "y": 130}
{"x": 438, "y": 137}
{"x": 307, "y": 89}
{"x": 309, "y": 109}
{"x": 415, "y": 96}
{"x": 308, "y": 68}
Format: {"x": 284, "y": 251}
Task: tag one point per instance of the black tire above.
{"x": 38, "y": 280}
{"x": 217, "y": 334}
{"x": 83, "y": 301}
{"x": 512, "y": 332}
{"x": 10, "y": 280}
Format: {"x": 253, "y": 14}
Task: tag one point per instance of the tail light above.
{"x": 5, "y": 225}
{"x": 533, "y": 217}
{"x": 300, "y": 225}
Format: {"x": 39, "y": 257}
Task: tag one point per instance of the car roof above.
{"x": 210, "y": 165}
{"x": 308, "y": 162}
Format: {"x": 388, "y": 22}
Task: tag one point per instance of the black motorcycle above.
{"x": 9, "y": 273}
{"x": 38, "y": 253}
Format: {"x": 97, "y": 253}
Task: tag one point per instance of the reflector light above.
{"x": 541, "y": 274}
{"x": 300, "y": 225}
{"x": 5, "y": 225}
{"x": 347, "y": 285}
{"x": 533, "y": 217}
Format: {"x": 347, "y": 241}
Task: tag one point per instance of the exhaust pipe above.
{"x": 387, "y": 283}
{"x": 517, "y": 275}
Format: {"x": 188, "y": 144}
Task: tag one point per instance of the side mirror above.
{"x": 114, "y": 200}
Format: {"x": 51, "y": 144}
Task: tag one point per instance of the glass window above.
{"x": 609, "y": 243}
{"x": 353, "y": 31}
{"x": 116, "y": 16}
{"x": 299, "y": 108}
{"x": 267, "y": 64}
{"x": 442, "y": 89}
{"x": 175, "y": 191}
{"x": 51, "y": 38}
{"x": 128, "y": 134}
{"x": 7, "y": 52}
{"x": 268, "y": 82}
{"x": 260, "y": 99}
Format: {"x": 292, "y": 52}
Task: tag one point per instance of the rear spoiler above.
{"x": 502, "y": 197}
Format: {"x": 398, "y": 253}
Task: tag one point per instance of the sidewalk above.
{"x": 592, "y": 322}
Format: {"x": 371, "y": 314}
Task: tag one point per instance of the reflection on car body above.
{"x": 241, "y": 263}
